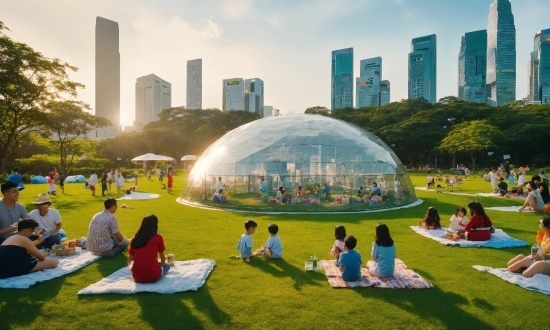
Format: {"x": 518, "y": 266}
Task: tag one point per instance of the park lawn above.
{"x": 280, "y": 294}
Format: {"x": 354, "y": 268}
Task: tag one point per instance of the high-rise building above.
{"x": 233, "y": 94}
{"x": 423, "y": 68}
{"x": 472, "y": 67}
{"x": 194, "y": 84}
{"x": 152, "y": 96}
{"x": 385, "y": 92}
{"x": 254, "y": 95}
{"x": 539, "y": 68}
{"x": 501, "y": 54}
{"x": 367, "y": 85}
{"x": 342, "y": 79}
{"x": 268, "y": 111}
{"x": 107, "y": 71}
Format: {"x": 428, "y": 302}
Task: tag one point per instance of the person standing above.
{"x": 104, "y": 236}
{"x": 111, "y": 178}
{"x": 119, "y": 182}
{"x": 10, "y": 210}
{"x": 49, "y": 220}
{"x": 494, "y": 179}
{"x": 219, "y": 185}
{"x": 104, "y": 179}
{"x": 135, "y": 177}
{"x": 93, "y": 182}
{"x": 170, "y": 181}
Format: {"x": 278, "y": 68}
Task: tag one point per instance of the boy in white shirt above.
{"x": 92, "y": 181}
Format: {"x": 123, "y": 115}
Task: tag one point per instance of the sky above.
{"x": 286, "y": 43}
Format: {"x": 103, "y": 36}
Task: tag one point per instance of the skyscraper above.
{"x": 254, "y": 95}
{"x": 233, "y": 94}
{"x": 152, "y": 96}
{"x": 501, "y": 54}
{"x": 342, "y": 79}
{"x": 107, "y": 71}
{"x": 539, "y": 68}
{"x": 194, "y": 84}
{"x": 367, "y": 86}
{"x": 472, "y": 67}
{"x": 423, "y": 68}
{"x": 385, "y": 92}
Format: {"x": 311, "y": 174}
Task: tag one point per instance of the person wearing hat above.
{"x": 49, "y": 220}
{"x": 10, "y": 210}
{"x": 15, "y": 250}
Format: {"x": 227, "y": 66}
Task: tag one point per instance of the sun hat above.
{"x": 42, "y": 199}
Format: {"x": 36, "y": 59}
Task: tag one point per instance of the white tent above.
{"x": 188, "y": 160}
{"x": 189, "y": 157}
{"x": 150, "y": 158}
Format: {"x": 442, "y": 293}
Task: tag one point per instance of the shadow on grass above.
{"x": 281, "y": 268}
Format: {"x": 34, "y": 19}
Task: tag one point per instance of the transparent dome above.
{"x": 320, "y": 162}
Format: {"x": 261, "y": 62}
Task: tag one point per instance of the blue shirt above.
{"x": 351, "y": 263}
{"x": 326, "y": 190}
{"x": 264, "y": 187}
{"x": 385, "y": 259}
{"x": 274, "y": 244}
{"x": 245, "y": 245}
{"x": 376, "y": 191}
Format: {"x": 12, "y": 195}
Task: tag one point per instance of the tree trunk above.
{"x": 473, "y": 157}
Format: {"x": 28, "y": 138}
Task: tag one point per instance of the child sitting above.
{"x": 350, "y": 261}
{"x": 375, "y": 199}
{"x": 273, "y": 248}
{"x": 432, "y": 220}
{"x": 383, "y": 253}
{"x": 338, "y": 246}
{"x": 459, "y": 220}
{"x": 245, "y": 242}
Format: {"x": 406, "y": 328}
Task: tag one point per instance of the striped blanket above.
{"x": 403, "y": 278}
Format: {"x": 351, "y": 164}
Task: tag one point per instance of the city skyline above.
{"x": 300, "y": 34}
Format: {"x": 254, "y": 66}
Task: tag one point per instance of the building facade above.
{"x": 194, "y": 84}
{"x": 233, "y": 94}
{"x": 501, "y": 54}
{"x": 152, "y": 96}
{"x": 367, "y": 85}
{"x": 472, "y": 67}
{"x": 267, "y": 111}
{"x": 107, "y": 71}
{"x": 385, "y": 92}
{"x": 342, "y": 79}
{"x": 539, "y": 68}
{"x": 423, "y": 68}
{"x": 254, "y": 95}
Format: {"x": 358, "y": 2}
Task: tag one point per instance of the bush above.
{"x": 40, "y": 164}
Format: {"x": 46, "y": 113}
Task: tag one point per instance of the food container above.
{"x": 171, "y": 259}
{"x": 64, "y": 251}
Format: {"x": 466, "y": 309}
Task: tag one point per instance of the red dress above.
{"x": 476, "y": 223}
{"x": 146, "y": 268}
{"x": 169, "y": 180}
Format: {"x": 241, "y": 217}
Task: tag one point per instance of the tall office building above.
{"x": 194, "y": 84}
{"x": 267, "y": 111}
{"x": 342, "y": 79}
{"x": 254, "y": 95}
{"x": 152, "y": 96}
{"x": 501, "y": 54}
{"x": 367, "y": 85}
{"x": 472, "y": 67}
{"x": 423, "y": 68}
{"x": 233, "y": 94}
{"x": 385, "y": 92}
{"x": 107, "y": 71}
{"x": 539, "y": 68}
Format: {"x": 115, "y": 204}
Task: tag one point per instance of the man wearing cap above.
{"x": 48, "y": 220}
{"x": 10, "y": 210}
{"x": 104, "y": 236}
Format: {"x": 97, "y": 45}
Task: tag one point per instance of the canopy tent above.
{"x": 188, "y": 160}
{"x": 150, "y": 158}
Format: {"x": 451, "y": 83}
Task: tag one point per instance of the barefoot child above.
{"x": 245, "y": 242}
{"x": 459, "y": 220}
{"x": 383, "y": 253}
{"x": 338, "y": 246}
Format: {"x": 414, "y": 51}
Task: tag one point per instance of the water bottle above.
{"x": 314, "y": 262}
{"x": 535, "y": 250}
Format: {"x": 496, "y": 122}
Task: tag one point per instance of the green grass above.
{"x": 280, "y": 294}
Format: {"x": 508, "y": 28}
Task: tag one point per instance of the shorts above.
{"x": 546, "y": 270}
{"x": 92, "y": 188}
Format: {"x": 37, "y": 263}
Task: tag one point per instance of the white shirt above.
{"x": 48, "y": 222}
{"x": 93, "y": 180}
{"x": 120, "y": 181}
{"x": 521, "y": 179}
{"x": 494, "y": 178}
{"x": 110, "y": 176}
{"x": 219, "y": 186}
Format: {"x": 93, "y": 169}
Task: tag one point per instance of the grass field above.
{"x": 279, "y": 294}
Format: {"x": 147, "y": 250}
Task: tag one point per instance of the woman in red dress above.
{"x": 479, "y": 226}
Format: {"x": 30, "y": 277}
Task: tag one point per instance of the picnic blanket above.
{"x": 66, "y": 265}
{"x": 138, "y": 196}
{"x": 539, "y": 282}
{"x": 499, "y": 239}
{"x": 403, "y": 278}
{"x": 480, "y": 194}
{"x": 183, "y": 276}
{"x": 508, "y": 209}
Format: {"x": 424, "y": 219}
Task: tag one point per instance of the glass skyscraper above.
{"x": 233, "y": 94}
{"x": 423, "y": 68}
{"x": 385, "y": 92}
{"x": 539, "y": 68}
{"x": 472, "y": 67}
{"x": 254, "y": 95}
{"x": 342, "y": 79}
{"x": 501, "y": 54}
{"x": 367, "y": 85}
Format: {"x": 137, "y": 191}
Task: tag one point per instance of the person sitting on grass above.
{"x": 359, "y": 192}
{"x": 376, "y": 190}
{"x": 219, "y": 197}
{"x": 48, "y": 220}
{"x": 479, "y": 226}
{"x": 144, "y": 248}
{"x": 538, "y": 263}
{"x": 273, "y": 248}
{"x": 432, "y": 219}
{"x": 383, "y": 253}
{"x": 326, "y": 190}
{"x": 502, "y": 188}
{"x": 11, "y": 210}
{"x": 245, "y": 242}
{"x": 534, "y": 200}
{"x": 104, "y": 236}
{"x": 338, "y": 246}
{"x": 15, "y": 250}
{"x": 350, "y": 261}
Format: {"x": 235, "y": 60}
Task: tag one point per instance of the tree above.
{"x": 28, "y": 81}
{"x": 318, "y": 110}
{"x": 66, "y": 125}
{"x": 471, "y": 138}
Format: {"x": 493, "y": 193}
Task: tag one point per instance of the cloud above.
{"x": 178, "y": 28}
{"x": 237, "y": 9}
{"x": 276, "y": 21}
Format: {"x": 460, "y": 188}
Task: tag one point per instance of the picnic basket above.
{"x": 67, "y": 251}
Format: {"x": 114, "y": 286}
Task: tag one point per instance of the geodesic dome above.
{"x": 298, "y": 150}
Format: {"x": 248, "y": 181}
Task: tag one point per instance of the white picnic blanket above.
{"x": 499, "y": 239}
{"x": 539, "y": 282}
{"x": 508, "y": 209}
{"x": 480, "y": 194}
{"x": 138, "y": 196}
{"x": 183, "y": 276}
{"x": 66, "y": 265}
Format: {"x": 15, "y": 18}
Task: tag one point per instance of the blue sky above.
{"x": 286, "y": 43}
